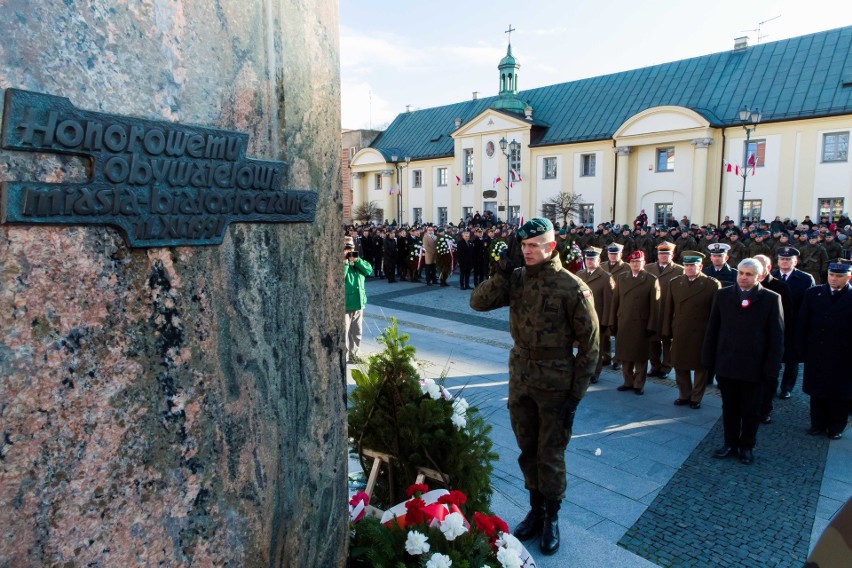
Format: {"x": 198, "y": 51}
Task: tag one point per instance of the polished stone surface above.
{"x": 176, "y": 406}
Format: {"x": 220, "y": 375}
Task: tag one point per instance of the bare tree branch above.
{"x": 563, "y": 205}
{"x": 367, "y": 211}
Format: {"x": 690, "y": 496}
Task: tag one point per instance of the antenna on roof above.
{"x": 759, "y": 26}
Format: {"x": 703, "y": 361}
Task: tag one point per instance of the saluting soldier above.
{"x": 718, "y": 267}
{"x": 601, "y": 284}
{"x": 614, "y": 266}
{"x": 821, "y": 338}
{"x": 549, "y": 310}
{"x": 799, "y": 282}
{"x": 687, "y": 308}
{"x": 634, "y": 312}
{"x": 664, "y": 270}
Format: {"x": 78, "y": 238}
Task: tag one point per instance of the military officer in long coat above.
{"x": 664, "y": 270}
{"x": 687, "y": 308}
{"x": 633, "y": 316}
{"x": 799, "y": 282}
{"x": 601, "y": 284}
{"x": 614, "y": 266}
{"x": 821, "y": 339}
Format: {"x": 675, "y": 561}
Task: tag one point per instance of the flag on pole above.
{"x": 496, "y": 181}
{"x": 516, "y": 176}
{"x": 398, "y": 190}
{"x": 458, "y": 181}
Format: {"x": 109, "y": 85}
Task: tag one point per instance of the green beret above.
{"x": 563, "y": 232}
{"x": 534, "y": 228}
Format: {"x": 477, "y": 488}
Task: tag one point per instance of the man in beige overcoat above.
{"x": 664, "y": 270}
{"x": 601, "y": 284}
{"x": 633, "y": 316}
{"x": 685, "y": 315}
{"x": 429, "y": 244}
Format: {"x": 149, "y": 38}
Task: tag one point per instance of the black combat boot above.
{"x": 531, "y": 526}
{"x": 550, "y": 534}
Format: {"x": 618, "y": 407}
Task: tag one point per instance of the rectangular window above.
{"x": 752, "y": 210}
{"x": 755, "y": 153}
{"x": 378, "y": 181}
{"x": 587, "y": 214}
{"x": 442, "y": 177}
{"x": 417, "y": 179}
{"x": 467, "y": 212}
{"x": 663, "y": 214}
{"x": 467, "y": 156}
{"x": 587, "y": 164}
{"x": 514, "y": 214}
{"x": 831, "y": 207}
{"x": 665, "y": 159}
{"x": 418, "y": 215}
{"x": 548, "y": 210}
{"x": 550, "y": 168}
{"x": 515, "y": 160}
{"x": 835, "y": 147}
{"x": 442, "y": 215}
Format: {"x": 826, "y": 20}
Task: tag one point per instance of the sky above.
{"x": 436, "y": 52}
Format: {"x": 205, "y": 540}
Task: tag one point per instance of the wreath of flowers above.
{"x": 415, "y": 253}
{"x": 445, "y": 245}
{"x": 572, "y": 254}
{"x": 495, "y": 249}
{"x": 431, "y": 529}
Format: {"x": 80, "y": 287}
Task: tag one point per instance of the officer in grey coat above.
{"x": 549, "y": 310}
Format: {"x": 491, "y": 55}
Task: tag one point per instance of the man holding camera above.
{"x": 355, "y": 270}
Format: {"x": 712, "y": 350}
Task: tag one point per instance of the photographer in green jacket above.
{"x": 355, "y": 270}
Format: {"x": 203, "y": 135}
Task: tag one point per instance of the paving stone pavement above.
{"x": 654, "y": 496}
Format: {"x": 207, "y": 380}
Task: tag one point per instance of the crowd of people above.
{"x": 737, "y": 303}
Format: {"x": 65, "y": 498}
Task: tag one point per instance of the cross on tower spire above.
{"x": 509, "y": 31}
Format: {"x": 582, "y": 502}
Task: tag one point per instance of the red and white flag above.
{"x": 497, "y": 180}
{"x": 516, "y": 176}
{"x": 458, "y": 181}
{"x": 398, "y": 190}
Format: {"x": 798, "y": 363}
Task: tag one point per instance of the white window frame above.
{"x": 549, "y": 167}
{"x": 840, "y": 153}
{"x": 467, "y": 161}
{"x": 667, "y": 215}
{"x": 586, "y": 213}
{"x": 442, "y": 177}
{"x": 416, "y": 179}
{"x": 658, "y": 152}
{"x": 588, "y": 165}
{"x": 758, "y": 160}
{"x": 443, "y": 215}
{"x": 378, "y": 178}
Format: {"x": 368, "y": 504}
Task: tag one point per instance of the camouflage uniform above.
{"x": 814, "y": 260}
{"x": 549, "y": 309}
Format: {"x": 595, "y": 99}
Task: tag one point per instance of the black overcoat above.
{"x": 745, "y": 343}
{"x": 823, "y": 342}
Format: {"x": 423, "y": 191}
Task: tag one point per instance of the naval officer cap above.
{"x": 592, "y": 252}
{"x": 614, "y": 248}
{"x": 788, "y": 252}
{"x": 840, "y": 266}
{"x": 534, "y": 227}
{"x": 719, "y": 248}
{"x": 692, "y": 257}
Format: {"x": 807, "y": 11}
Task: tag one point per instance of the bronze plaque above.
{"x": 160, "y": 183}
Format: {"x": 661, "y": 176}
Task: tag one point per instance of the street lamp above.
{"x": 749, "y": 120}
{"x": 513, "y": 147}
{"x": 399, "y": 168}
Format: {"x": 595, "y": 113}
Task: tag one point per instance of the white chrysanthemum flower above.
{"x": 508, "y": 540}
{"x": 433, "y": 388}
{"x": 453, "y": 526}
{"x": 446, "y": 394}
{"x": 508, "y": 558}
{"x": 439, "y": 561}
{"x": 460, "y": 406}
{"x": 416, "y": 543}
{"x": 459, "y": 421}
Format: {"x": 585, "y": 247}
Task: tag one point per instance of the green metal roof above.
{"x": 802, "y": 77}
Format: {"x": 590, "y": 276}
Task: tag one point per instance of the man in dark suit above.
{"x": 782, "y": 289}
{"x": 718, "y": 267}
{"x": 480, "y": 250}
{"x": 798, "y": 282}
{"x": 464, "y": 252}
{"x": 826, "y": 313}
{"x": 743, "y": 345}
{"x": 633, "y": 318}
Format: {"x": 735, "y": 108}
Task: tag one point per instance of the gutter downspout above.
{"x": 721, "y": 179}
